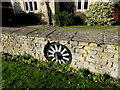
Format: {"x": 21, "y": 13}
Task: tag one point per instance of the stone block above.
{"x": 110, "y": 47}
{"x": 117, "y": 56}
{"x": 92, "y": 68}
{"x": 106, "y": 55}
{"x": 75, "y": 66}
{"x": 74, "y": 43}
{"x": 115, "y": 65}
{"x": 82, "y": 51}
{"x": 101, "y": 62}
{"x": 80, "y": 47}
{"x": 83, "y": 43}
{"x": 75, "y": 56}
{"x": 117, "y": 48}
{"x": 76, "y": 50}
{"x": 61, "y": 35}
{"x": 110, "y": 64}
{"x": 73, "y": 62}
{"x": 79, "y": 65}
{"x": 93, "y": 44}
{"x": 97, "y": 49}
{"x": 110, "y": 50}
{"x": 84, "y": 55}
{"x": 63, "y": 42}
{"x": 92, "y": 60}
{"x": 114, "y": 74}
{"x": 87, "y": 48}
{"x": 92, "y": 52}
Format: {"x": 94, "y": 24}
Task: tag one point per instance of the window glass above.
{"x": 26, "y": 6}
{"x": 31, "y": 7}
{"x": 86, "y": 4}
{"x": 35, "y": 5}
{"x": 79, "y": 4}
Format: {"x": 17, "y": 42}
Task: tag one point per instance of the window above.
{"x": 79, "y": 4}
{"x": 26, "y": 6}
{"x": 31, "y": 5}
{"x": 35, "y": 5}
{"x": 86, "y": 4}
{"x": 82, "y": 5}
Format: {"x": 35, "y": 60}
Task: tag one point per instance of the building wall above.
{"x": 19, "y": 6}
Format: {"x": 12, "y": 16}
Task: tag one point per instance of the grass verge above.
{"x": 73, "y": 26}
{"x": 93, "y": 27}
{"x": 16, "y": 75}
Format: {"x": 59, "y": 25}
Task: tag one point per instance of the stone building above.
{"x": 51, "y": 7}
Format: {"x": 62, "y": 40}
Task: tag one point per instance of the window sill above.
{"x": 78, "y": 10}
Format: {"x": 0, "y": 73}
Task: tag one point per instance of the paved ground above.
{"x": 110, "y": 36}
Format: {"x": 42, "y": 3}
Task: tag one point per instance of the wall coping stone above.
{"x": 107, "y": 36}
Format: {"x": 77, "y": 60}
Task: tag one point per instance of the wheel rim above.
{"x": 59, "y": 53}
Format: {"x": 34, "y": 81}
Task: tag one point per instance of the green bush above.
{"x": 100, "y": 13}
{"x": 63, "y": 18}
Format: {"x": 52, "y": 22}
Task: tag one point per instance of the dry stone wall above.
{"x": 96, "y": 51}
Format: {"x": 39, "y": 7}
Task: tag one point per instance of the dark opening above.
{"x": 31, "y": 8}
{"x": 67, "y": 6}
{"x": 86, "y": 4}
{"x": 35, "y": 5}
{"x": 26, "y": 6}
{"x": 79, "y": 4}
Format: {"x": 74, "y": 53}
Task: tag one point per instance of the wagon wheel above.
{"x": 59, "y": 53}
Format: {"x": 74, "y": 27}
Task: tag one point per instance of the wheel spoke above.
{"x": 65, "y": 54}
{"x": 59, "y": 61}
{"x": 56, "y": 48}
{"x": 62, "y": 61}
{"x": 51, "y": 55}
{"x": 52, "y": 49}
{"x": 66, "y": 58}
{"x": 53, "y": 59}
{"x": 63, "y": 51}
{"x": 60, "y": 48}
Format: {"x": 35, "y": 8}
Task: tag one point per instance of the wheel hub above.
{"x": 58, "y": 55}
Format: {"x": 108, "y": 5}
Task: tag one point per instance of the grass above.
{"x": 16, "y": 75}
{"x": 74, "y": 26}
{"x": 43, "y": 28}
{"x": 93, "y": 27}
{"x": 21, "y": 76}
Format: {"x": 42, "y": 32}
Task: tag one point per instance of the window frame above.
{"x": 26, "y": 6}
{"x": 33, "y": 6}
{"x": 31, "y": 9}
{"x": 82, "y": 5}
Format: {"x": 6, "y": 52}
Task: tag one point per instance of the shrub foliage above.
{"x": 100, "y": 13}
{"x": 63, "y": 18}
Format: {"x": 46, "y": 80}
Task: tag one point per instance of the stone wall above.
{"x": 97, "y": 55}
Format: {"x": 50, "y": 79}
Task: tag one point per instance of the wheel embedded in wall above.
{"x": 57, "y": 52}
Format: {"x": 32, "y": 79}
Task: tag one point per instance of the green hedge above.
{"x": 100, "y": 13}
{"x": 63, "y": 18}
